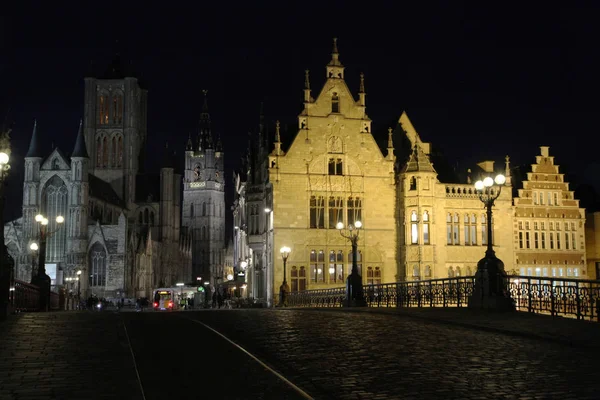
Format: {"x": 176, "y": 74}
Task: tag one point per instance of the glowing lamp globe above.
{"x": 488, "y": 182}
{"x": 34, "y": 246}
{"x": 358, "y": 224}
{"x": 60, "y": 219}
{"x": 340, "y": 225}
{"x": 479, "y": 185}
{"x": 44, "y": 221}
{"x": 3, "y": 158}
{"x": 39, "y": 217}
{"x": 500, "y": 179}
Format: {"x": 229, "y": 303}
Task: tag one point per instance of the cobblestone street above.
{"x": 327, "y": 354}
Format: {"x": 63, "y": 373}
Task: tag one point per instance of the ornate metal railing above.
{"x": 26, "y": 297}
{"x": 449, "y": 292}
{"x": 575, "y": 298}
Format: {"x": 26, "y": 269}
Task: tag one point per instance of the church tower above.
{"x": 204, "y": 200}
{"x": 115, "y": 128}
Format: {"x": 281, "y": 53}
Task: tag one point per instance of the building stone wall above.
{"x": 592, "y": 245}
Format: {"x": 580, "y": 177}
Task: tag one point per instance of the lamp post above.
{"x": 6, "y": 261}
{"x": 490, "y": 289}
{"x": 34, "y": 248}
{"x": 42, "y": 280}
{"x": 354, "y": 285}
{"x": 284, "y": 288}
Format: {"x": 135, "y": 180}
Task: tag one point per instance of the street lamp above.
{"x": 41, "y": 279}
{"x": 78, "y": 288}
{"x": 490, "y": 289}
{"x": 6, "y": 261}
{"x": 284, "y": 288}
{"x": 354, "y": 286}
{"x": 34, "y": 248}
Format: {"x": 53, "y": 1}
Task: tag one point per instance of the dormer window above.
{"x": 335, "y": 103}
{"x": 55, "y": 163}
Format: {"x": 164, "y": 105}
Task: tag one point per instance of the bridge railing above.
{"x": 575, "y": 298}
{"x": 26, "y": 297}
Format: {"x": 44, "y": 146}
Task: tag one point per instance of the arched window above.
{"x": 97, "y": 264}
{"x": 370, "y": 276}
{"x": 55, "y": 203}
{"x": 152, "y": 218}
{"x": 120, "y": 151}
{"x": 192, "y": 210}
{"x": 425, "y": 227}
{"x": 203, "y": 209}
{"x": 414, "y": 228}
{"x": 103, "y": 109}
{"x": 413, "y": 183}
{"x": 105, "y": 151}
{"x": 450, "y": 272}
{"x": 335, "y": 103}
{"x": 55, "y": 163}
{"x": 113, "y": 155}
{"x": 428, "y": 271}
{"x": 117, "y": 108}
{"x": 457, "y": 271}
{"x": 416, "y": 272}
{"x": 99, "y": 151}
{"x": 146, "y": 216}
{"x": 294, "y": 278}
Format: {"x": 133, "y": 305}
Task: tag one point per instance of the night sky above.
{"x": 478, "y": 82}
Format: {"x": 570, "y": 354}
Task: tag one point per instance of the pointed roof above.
{"x": 80, "y": 149}
{"x": 205, "y": 135}
{"x": 410, "y": 130}
{"x": 35, "y": 150}
{"x": 335, "y": 69}
{"x": 418, "y": 161}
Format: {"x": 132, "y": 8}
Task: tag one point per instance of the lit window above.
{"x": 414, "y": 229}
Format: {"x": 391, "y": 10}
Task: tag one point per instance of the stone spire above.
{"x": 35, "y": 149}
{"x": 80, "y": 150}
{"x": 390, "y": 145}
{"x": 361, "y": 91}
{"x": 205, "y": 134}
{"x": 335, "y": 69}
{"x": 189, "y": 146}
{"x": 277, "y": 151}
{"x": 507, "y": 171}
{"x": 307, "y": 98}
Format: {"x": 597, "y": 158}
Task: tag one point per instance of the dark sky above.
{"x": 478, "y": 81}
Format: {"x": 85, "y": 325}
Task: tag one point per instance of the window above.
{"x": 192, "y": 210}
{"x": 335, "y": 103}
{"x": 55, "y": 203}
{"x": 152, "y": 218}
{"x": 535, "y": 225}
{"x": 414, "y": 228}
{"x": 336, "y": 266}
{"x": 114, "y": 152}
{"x": 97, "y": 262}
{"x": 543, "y": 240}
{"x": 105, "y": 152}
{"x": 354, "y": 207}
{"x": 416, "y": 271}
{"x": 373, "y": 276}
{"x": 473, "y": 230}
{"x": 449, "y": 228}
{"x": 549, "y": 198}
{"x": 120, "y": 151}
{"x": 317, "y": 212}
{"x": 413, "y": 183}
{"x": 455, "y": 229}
{"x": 450, "y": 272}
{"x": 358, "y": 262}
{"x": 298, "y": 275}
{"x": 99, "y": 151}
{"x": 551, "y": 240}
{"x": 542, "y": 198}
{"x": 336, "y": 210}
{"x": 520, "y": 240}
{"x": 425, "y": 227}
{"x": 335, "y": 166}
{"x": 117, "y": 109}
{"x": 555, "y": 199}
{"x": 317, "y": 264}
{"x": 103, "y": 109}
{"x": 427, "y": 270}
{"x": 203, "y": 209}
{"x": 536, "y": 240}
{"x": 527, "y": 240}
{"x": 294, "y": 278}
{"x": 146, "y": 216}
{"x": 535, "y": 198}
{"x": 466, "y": 229}
{"x": 573, "y": 243}
{"x": 484, "y": 233}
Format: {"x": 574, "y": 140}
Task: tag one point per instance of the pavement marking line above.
{"x": 252, "y": 356}
{"x": 137, "y": 372}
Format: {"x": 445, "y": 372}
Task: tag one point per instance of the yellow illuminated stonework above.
{"x": 549, "y": 226}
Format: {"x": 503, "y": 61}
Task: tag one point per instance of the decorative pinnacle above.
{"x": 306, "y": 80}
{"x": 390, "y": 142}
{"x": 277, "y": 136}
{"x": 362, "y": 84}
{"x": 335, "y": 49}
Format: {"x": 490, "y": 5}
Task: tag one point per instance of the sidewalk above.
{"x": 576, "y": 333}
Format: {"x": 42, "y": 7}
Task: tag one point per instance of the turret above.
{"x": 76, "y": 220}
{"x": 31, "y": 206}
{"x": 335, "y": 69}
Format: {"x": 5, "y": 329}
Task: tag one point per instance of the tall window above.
{"x": 543, "y": 240}
{"x": 358, "y": 262}
{"x": 336, "y": 266}
{"x": 117, "y": 109}
{"x": 97, "y": 263}
{"x": 294, "y": 278}
{"x": 520, "y": 240}
{"x": 425, "y": 227}
{"x": 449, "y": 228}
{"x": 354, "y": 207}
{"x": 105, "y": 152}
{"x": 573, "y": 242}
{"x": 467, "y": 229}
{"x": 484, "y": 238}
{"x": 413, "y": 183}
{"x": 527, "y": 240}
{"x": 414, "y": 228}
{"x": 536, "y": 240}
{"x": 336, "y": 211}
{"x": 192, "y": 210}
{"x": 336, "y": 166}
{"x": 54, "y": 199}
{"x": 552, "y": 240}
{"x": 317, "y": 265}
{"x": 335, "y": 103}
{"x": 120, "y": 151}
{"x": 99, "y": 151}
{"x": 555, "y": 199}
{"x": 203, "y": 209}
{"x": 473, "y": 229}
{"x": 317, "y": 212}
{"x": 114, "y": 152}
{"x": 103, "y": 109}
{"x": 455, "y": 229}
{"x": 535, "y": 198}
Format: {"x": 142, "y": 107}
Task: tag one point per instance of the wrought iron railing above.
{"x": 26, "y": 297}
{"x": 575, "y": 298}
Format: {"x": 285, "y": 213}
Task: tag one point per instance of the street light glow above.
{"x": 339, "y": 225}
{"x": 479, "y": 185}
{"x": 179, "y": 284}
{"x": 79, "y": 272}
{"x": 358, "y": 224}
{"x": 488, "y": 182}
{"x": 229, "y": 277}
{"x": 500, "y": 179}
{"x": 39, "y": 217}
{"x": 243, "y": 264}
{"x": 267, "y": 210}
{"x": 285, "y": 250}
{"x": 60, "y": 219}
{"x": 3, "y": 158}
{"x": 34, "y": 246}
{"x": 44, "y": 221}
